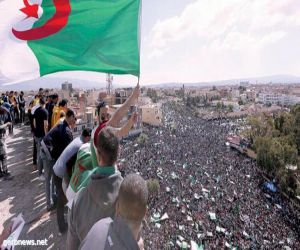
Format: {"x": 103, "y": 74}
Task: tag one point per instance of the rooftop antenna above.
{"x": 109, "y": 85}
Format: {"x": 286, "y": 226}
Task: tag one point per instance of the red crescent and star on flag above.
{"x": 58, "y": 21}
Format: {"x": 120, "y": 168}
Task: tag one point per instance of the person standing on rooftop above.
{"x": 40, "y": 129}
{"x": 53, "y": 144}
{"x": 122, "y": 232}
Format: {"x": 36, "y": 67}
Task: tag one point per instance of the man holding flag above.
{"x": 40, "y": 37}
{"x": 86, "y": 157}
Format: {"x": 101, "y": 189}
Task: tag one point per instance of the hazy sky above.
{"x": 219, "y": 39}
{"x": 204, "y": 40}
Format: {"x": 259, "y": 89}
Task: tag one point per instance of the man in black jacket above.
{"x": 21, "y": 103}
{"x": 53, "y": 144}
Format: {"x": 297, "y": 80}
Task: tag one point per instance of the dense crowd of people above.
{"x": 209, "y": 195}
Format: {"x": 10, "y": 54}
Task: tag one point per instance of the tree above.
{"x": 296, "y": 113}
{"x": 256, "y": 128}
{"x": 276, "y": 141}
{"x": 290, "y": 154}
{"x": 262, "y": 146}
{"x": 219, "y": 106}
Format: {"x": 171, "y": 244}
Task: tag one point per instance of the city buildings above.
{"x": 152, "y": 114}
{"x": 66, "y": 86}
{"x": 277, "y": 99}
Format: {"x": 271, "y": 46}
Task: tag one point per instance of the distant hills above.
{"x": 275, "y": 79}
{"x": 51, "y": 82}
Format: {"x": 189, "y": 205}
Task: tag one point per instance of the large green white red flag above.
{"x": 39, "y": 37}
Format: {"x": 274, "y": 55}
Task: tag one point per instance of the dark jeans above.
{"x": 3, "y": 163}
{"x": 16, "y": 114}
{"x": 49, "y": 183}
{"x": 34, "y": 156}
{"x": 38, "y": 150}
{"x": 12, "y": 114}
{"x": 60, "y": 205}
{"x": 22, "y": 114}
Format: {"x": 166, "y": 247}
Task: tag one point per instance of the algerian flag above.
{"x": 39, "y": 37}
{"x": 82, "y": 166}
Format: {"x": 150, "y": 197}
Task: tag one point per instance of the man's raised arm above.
{"x": 123, "y": 131}
{"x": 122, "y": 111}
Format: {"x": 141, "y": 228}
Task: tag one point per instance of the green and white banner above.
{"x": 39, "y": 37}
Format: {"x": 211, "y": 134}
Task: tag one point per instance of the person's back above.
{"x": 21, "y": 102}
{"x": 40, "y": 116}
{"x": 54, "y": 116}
{"x": 97, "y": 201}
{"x": 122, "y": 232}
{"x": 53, "y": 144}
{"x": 99, "y": 197}
{"x": 58, "y": 139}
{"x": 60, "y": 170}
{"x": 62, "y": 106}
{"x": 50, "y": 106}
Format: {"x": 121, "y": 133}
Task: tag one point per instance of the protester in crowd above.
{"x": 63, "y": 167}
{"x": 41, "y": 92}
{"x": 48, "y": 100}
{"x": 86, "y": 162}
{"x": 13, "y": 103}
{"x": 5, "y": 97}
{"x": 86, "y": 158}
{"x": 2, "y": 97}
{"x": 40, "y": 124}
{"x": 62, "y": 106}
{"x": 53, "y": 144}
{"x": 16, "y": 108}
{"x": 21, "y": 103}
{"x": 62, "y": 117}
{"x": 103, "y": 119}
{"x": 5, "y": 121}
{"x": 34, "y": 153}
{"x": 50, "y": 106}
{"x": 122, "y": 232}
{"x": 34, "y": 104}
{"x": 36, "y": 100}
{"x": 7, "y": 106}
{"x": 99, "y": 197}
{"x": 46, "y": 93}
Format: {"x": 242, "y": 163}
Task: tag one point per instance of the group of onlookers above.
{"x": 107, "y": 209}
{"x": 103, "y": 194}
{"x": 15, "y": 103}
{"x": 12, "y": 111}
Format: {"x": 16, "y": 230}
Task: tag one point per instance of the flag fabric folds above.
{"x": 43, "y": 37}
